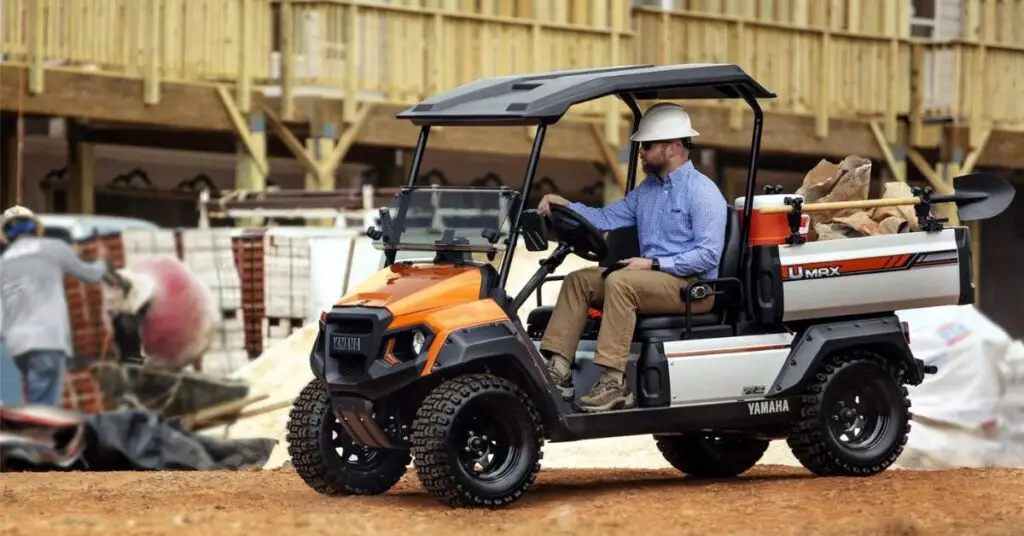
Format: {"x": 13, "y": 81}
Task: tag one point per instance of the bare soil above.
{"x": 766, "y": 500}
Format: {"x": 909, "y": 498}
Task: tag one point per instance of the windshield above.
{"x": 453, "y": 219}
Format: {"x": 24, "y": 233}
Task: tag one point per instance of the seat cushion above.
{"x": 537, "y": 321}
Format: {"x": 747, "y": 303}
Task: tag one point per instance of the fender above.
{"x": 512, "y": 348}
{"x": 884, "y": 334}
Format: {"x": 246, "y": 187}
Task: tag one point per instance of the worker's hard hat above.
{"x": 664, "y": 121}
{"x": 19, "y": 216}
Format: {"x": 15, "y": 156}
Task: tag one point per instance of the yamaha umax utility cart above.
{"x": 428, "y": 361}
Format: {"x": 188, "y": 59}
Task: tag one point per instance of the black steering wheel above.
{"x": 577, "y": 233}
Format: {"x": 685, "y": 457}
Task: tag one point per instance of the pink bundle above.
{"x": 179, "y": 324}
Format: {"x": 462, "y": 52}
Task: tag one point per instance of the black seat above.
{"x": 623, "y": 244}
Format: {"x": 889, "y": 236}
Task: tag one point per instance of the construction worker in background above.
{"x": 34, "y": 323}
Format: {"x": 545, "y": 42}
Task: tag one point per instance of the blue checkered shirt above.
{"x": 680, "y": 221}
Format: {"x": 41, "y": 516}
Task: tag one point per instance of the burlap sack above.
{"x": 832, "y": 231}
{"x": 905, "y": 213}
{"x": 819, "y": 181}
{"x": 859, "y": 222}
{"x": 852, "y": 180}
{"x": 893, "y": 225}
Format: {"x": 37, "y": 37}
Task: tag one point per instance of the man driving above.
{"x": 680, "y": 216}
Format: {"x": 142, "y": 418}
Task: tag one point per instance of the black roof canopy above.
{"x": 545, "y": 97}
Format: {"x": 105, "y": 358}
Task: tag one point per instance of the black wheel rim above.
{"x": 489, "y": 445}
{"x": 859, "y": 415}
{"x": 336, "y": 443}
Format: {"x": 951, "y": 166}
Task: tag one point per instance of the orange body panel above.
{"x": 443, "y": 322}
{"x": 444, "y": 298}
{"x": 410, "y": 292}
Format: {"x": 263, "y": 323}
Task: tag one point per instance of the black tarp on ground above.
{"x": 40, "y": 438}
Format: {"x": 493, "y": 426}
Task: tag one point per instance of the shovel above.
{"x": 978, "y": 196}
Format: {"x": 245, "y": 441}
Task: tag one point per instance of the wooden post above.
{"x": 36, "y": 25}
{"x": 8, "y": 167}
{"x": 350, "y": 105}
{"x": 287, "y": 60}
{"x": 243, "y": 86}
{"x": 249, "y": 174}
{"x": 151, "y": 72}
{"x": 81, "y": 166}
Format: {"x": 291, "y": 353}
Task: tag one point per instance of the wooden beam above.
{"x": 111, "y": 98}
{"x": 975, "y": 154}
{"x": 568, "y": 140}
{"x": 290, "y": 141}
{"x": 783, "y": 134}
{"x": 242, "y": 129}
{"x": 610, "y": 159}
{"x": 928, "y": 171}
{"x": 883, "y": 145}
{"x": 151, "y": 64}
{"x": 329, "y": 164}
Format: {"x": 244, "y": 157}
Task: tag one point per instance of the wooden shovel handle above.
{"x": 840, "y": 205}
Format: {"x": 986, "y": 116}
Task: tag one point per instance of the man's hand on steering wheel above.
{"x": 544, "y": 207}
{"x": 574, "y": 231}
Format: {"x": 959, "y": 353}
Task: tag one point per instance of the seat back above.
{"x": 622, "y": 244}
{"x": 729, "y": 265}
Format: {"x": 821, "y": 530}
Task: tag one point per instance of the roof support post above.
{"x": 513, "y": 233}
{"x": 748, "y": 205}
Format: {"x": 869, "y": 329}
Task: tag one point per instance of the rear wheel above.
{"x": 327, "y": 459}
{"x": 476, "y": 441}
{"x": 704, "y": 456}
{"x": 855, "y": 417}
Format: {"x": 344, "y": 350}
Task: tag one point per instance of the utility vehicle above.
{"x": 427, "y": 360}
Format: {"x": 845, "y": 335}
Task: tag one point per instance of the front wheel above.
{"x": 704, "y": 456}
{"x": 476, "y": 441}
{"x": 856, "y": 417}
{"x": 327, "y": 459}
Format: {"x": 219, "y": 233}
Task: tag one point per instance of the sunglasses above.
{"x": 646, "y": 145}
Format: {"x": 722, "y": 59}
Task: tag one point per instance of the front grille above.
{"x": 352, "y": 341}
{"x": 352, "y": 326}
{"x": 350, "y": 366}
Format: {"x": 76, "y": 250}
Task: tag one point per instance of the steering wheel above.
{"x": 580, "y": 235}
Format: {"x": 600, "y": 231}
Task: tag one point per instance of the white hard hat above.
{"x": 15, "y": 213}
{"x": 664, "y": 121}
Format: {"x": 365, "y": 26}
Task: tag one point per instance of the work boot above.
{"x": 560, "y": 370}
{"x": 610, "y": 392}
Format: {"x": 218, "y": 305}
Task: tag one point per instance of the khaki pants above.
{"x": 621, "y": 296}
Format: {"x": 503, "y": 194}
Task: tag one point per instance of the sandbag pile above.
{"x": 850, "y": 180}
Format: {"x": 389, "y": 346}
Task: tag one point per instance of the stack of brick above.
{"x": 89, "y": 333}
{"x": 249, "y": 251}
{"x": 286, "y": 269}
{"x": 209, "y": 256}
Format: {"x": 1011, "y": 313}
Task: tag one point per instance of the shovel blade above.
{"x": 979, "y": 196}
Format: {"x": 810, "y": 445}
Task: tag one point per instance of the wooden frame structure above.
{"x": 850, "y": 79}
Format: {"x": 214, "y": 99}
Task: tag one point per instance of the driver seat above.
{"x": 623, "y": 244}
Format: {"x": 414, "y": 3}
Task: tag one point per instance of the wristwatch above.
{"x": 655, "y": 265}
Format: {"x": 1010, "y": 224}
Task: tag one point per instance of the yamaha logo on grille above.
{"x": 345, "y": 344}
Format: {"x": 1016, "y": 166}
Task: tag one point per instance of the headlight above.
{"x": 418, "y": 340}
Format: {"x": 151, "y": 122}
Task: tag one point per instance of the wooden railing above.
{"x": 814, "y": 70}
{"x": 825, "y": 59}
{"x": 404, "y": 54}
{"x": 177, "y": 40}
{"x": 978, "y": 83}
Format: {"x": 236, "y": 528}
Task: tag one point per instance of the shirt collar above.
{"x": 677, "y": 173}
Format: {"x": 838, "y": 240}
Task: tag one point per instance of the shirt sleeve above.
{"x": 617, "y": 215}
{"x": 708, "y": 213}
{"x": 71, "y": 263}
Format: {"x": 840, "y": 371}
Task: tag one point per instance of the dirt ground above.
{"x": 767, "y": 500}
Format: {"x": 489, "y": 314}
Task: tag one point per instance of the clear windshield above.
{"x": 452, "y": 219}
